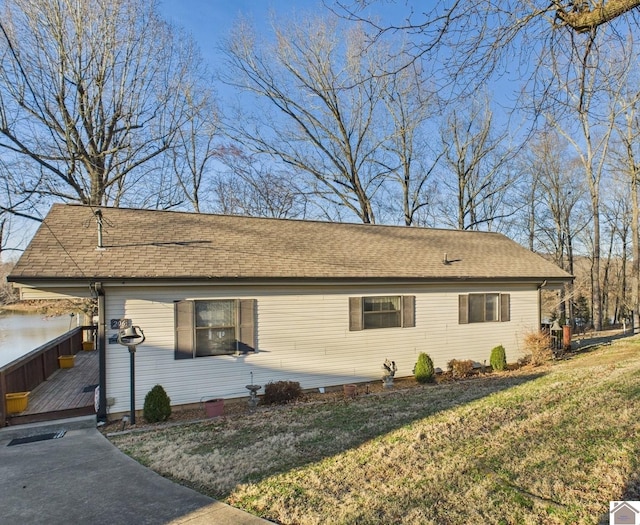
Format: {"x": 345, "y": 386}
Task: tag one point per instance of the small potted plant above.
{"x": 390, "y": 369}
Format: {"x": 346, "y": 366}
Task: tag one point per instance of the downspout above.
{"x": 102, "y": 357}
{"x": 542, "y": 285}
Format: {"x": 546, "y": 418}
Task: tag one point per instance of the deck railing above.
{"x": 28, "y": 371}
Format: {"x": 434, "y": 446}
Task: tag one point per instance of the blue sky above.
{"x": 209, "y": 21}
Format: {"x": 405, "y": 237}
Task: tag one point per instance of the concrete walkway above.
{"x": 82, "y": 479}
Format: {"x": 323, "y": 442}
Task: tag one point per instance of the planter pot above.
{"x": 16, "y": 402}
{"x": 66, "y": 361}
{"x": 214, "y": 407}
{"x": 350, "y": 390}
{"x": 87, "y": 346}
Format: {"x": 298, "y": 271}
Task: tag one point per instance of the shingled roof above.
{"x": 148, "y": 244}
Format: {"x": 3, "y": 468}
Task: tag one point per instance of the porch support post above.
{"x": 102, "y": 353}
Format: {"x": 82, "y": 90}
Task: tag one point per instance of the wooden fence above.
{"x": 28, "y": 371}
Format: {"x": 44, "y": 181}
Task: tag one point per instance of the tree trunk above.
{"x": 597, "y": 288}
{"x": 635, "y": 266}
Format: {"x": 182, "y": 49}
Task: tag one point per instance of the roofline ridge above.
{"x": 276, "y": 219}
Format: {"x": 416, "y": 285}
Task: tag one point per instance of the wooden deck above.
{"x": 63, "y": 393}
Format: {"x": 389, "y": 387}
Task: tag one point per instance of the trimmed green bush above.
{"x": 157, "y": 405}
{"x": 424, "y": 371}
{"x": 498, "y": 359}
{"x": 281, "y": 392}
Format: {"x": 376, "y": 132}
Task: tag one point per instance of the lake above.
{"x": 20, "y": 332}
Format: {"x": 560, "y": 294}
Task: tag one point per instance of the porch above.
{"x": 55, "y": 392}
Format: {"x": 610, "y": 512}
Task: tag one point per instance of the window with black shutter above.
{"x": 216, "y": 327}
{"x": 483, "y": 308}
{"x": 389, "y": 311}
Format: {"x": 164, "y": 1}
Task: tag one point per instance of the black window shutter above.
{"x": 355, "y": 313}
{"x": 505, "y": 307}
{"x": 463, "y": 309}
{"x": 185, "y": 331}
{"x": 408, "y": 311}
{"x": 246, "y": 325}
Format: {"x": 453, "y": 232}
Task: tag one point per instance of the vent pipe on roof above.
{"x": 98, "y": 215}
{"x": 445, "y": 259}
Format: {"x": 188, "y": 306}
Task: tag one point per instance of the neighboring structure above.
{"x": 219, "y": 297}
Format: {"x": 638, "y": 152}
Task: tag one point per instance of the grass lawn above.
{"x": 542, "y": 445}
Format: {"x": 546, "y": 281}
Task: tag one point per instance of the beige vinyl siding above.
{"x": 28, "y": 293}
{"x": 302, "y": 335}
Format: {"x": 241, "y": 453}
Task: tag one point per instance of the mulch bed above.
{"x": 239, "y": 407}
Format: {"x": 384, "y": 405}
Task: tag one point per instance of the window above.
{"x": 381, "y": 312}
{"x": 483, "y": 308}
{"x": 209, "y": 328}
{"x": 215, "y": 327}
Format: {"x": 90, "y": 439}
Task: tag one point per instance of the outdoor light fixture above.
{"x": 555, "y": 327}
{"x": 132, "y": 337}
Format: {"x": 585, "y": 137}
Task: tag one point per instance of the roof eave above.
{"x": 543, "y": 281}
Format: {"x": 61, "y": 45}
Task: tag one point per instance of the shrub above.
{"x": 157, "y": 405}
{"x": 538, "y": 345}
{"x": 424, "y": 371}
{"x": 460, "y": 368}
{"x": 498, "y": 358}
{"x": 281, "y": 392}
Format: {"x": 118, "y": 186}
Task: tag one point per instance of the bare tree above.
{"x": 556, "y": 176}
{"x": 478, "y": 160}
{"x": 625, "y": 160}
{"x": 324, "y": 85}
{"x": 410, "y": 105}
{"x": 617, "y": 224}
{"x": 582, "y": 16}
{"x": 584, "y": 110}
{"x": 196, "y": 147}
{"x": 251, "y": 187}
{"x": 490, "y": 35}
{"x": 90, "y": 92}
{"x": 7, "y": 292}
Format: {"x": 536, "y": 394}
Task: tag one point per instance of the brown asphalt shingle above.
{"x": 165, "y": 244}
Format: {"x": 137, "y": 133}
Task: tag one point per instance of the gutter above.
{"x": 292, "y": 280}
{"x": 102, "y": 348}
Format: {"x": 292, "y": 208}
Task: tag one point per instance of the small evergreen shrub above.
{"x": 424, "y": 371}
{"x": 537, "y": 344}
{"x": 157, "y": 405}
{"x": 498, "y": 358}
{"x": 281, "y": 392}
{"x": 460, "y": 368}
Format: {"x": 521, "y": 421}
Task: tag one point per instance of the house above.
{"x": 222, "y": 297}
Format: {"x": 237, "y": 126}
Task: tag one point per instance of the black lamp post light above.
{"x": 132, "y": 337}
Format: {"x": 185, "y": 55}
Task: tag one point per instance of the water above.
{"x": 20, "y": 333}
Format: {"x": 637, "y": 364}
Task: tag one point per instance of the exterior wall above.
{"x": 303, "y": 335}
{"x": 27, "y": 293}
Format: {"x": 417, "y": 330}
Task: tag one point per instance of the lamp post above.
{"x": 131, "y": 337}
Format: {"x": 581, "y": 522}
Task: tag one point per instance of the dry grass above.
{"x": 549, "y": 445}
